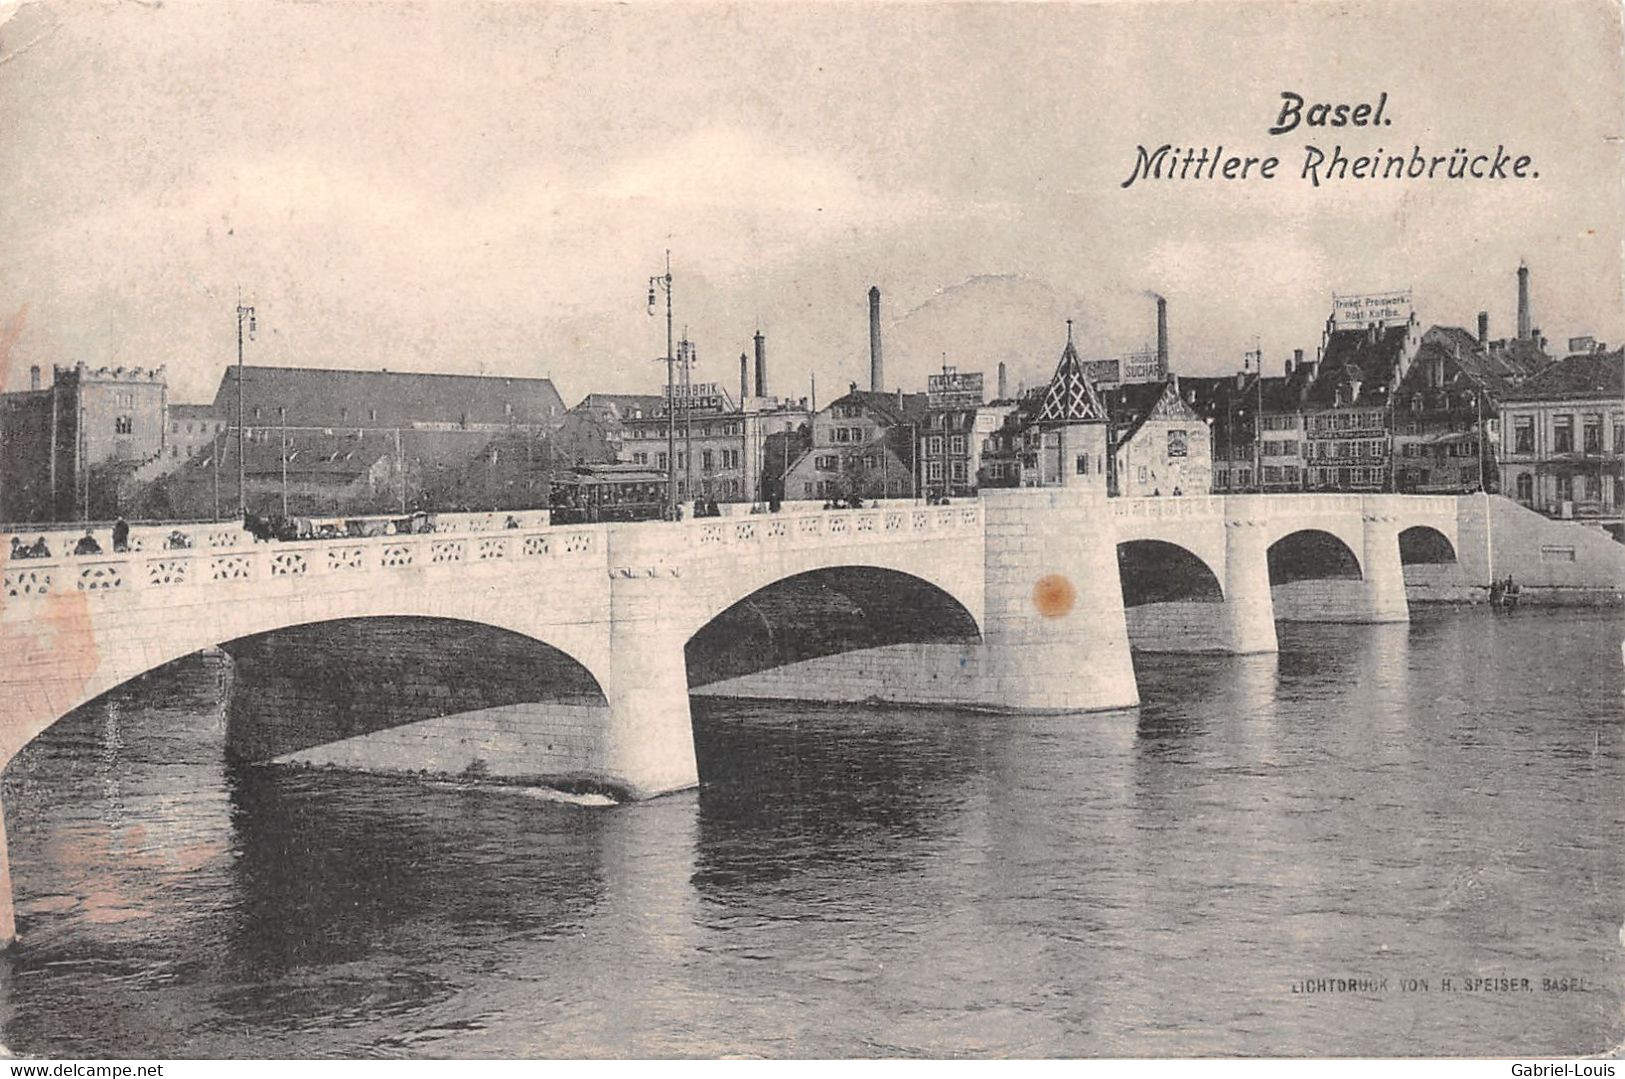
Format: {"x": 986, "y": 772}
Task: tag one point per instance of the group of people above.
{"x": 707, "y": 507}
{"x": 1504, "y": 593}
{"x": 855, "y": 502}
{"x": 87, "y": 544}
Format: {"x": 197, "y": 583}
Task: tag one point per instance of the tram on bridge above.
{"x": 608, "y": 492}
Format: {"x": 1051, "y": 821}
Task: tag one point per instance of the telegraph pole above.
{"x": 282, "y": 417}
{"x": 245, "y": 318}
{"x": 685, "y": 360}
{"x": 663, "y": 283}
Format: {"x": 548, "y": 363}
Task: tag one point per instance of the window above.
{"x": 708, "y": 461}
{"x": 1176, "y": 443}
{"x": 662, "y": 462}
{"x": 123, "y": 425}
{"x": 826, "y": 462}
{"x": 1593, "y": 488}
{"x": 175, "y": 428}
{"x": 1082, "y": 464}
{"x": 933, "y": 446}
{"x": 933, "y": 471}
{"x": 1142, "y": 474}
{"x": 1562, "y": 434}
{"x": 1523, "y": 434}
{"x": 959, "y": 471}
{"x": 640, "y": 458}
{"x": 1593, "y": 434}
{"x": 1565, "y": 488}
{"x": 807, "y": 489}
{"x": 1526, "y": 488}
{"x": 870, "y": 461}
{"x": 1619, "y": 437}
{"x": 956, "y": 445}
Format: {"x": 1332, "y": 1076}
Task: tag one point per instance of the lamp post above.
{"x": 663, "y": 283}
{"x": 245, "y": 320}
{"x": 282, "y": 420}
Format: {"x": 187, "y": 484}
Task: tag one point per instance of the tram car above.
{"x": 608, "y": 492}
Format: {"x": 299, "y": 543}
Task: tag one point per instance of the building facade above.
{"x": 67, "y": 448}
{"x": 1162, "y": 446}
{"x": 1563, "y": 439}
{"x": 862, "y": 444}
{"x": 719, "y": 443}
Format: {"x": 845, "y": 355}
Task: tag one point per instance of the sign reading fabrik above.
{"x": 1383, "y": 308}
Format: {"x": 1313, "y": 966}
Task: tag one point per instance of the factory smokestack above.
{"x": 761, "y": 365}
{"x": 1523, "y": 302}
{"x": 877, "y": 366}
{"x": 1483, "y": 327}
{"x": 1004, "y": 384}
{"x": 1162, "y": 336}
{"x": 744, "y": 378}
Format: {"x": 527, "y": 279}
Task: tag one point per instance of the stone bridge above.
{"x": 1042, "y": 592}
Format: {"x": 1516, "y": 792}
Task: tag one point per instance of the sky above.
{"x": 488, "y": 188}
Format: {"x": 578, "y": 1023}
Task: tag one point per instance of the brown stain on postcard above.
{"x": 1054, "y": 595}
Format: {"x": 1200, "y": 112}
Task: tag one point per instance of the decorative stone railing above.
{"x": 133, "y": 571}
{"x": 826, "y": 525}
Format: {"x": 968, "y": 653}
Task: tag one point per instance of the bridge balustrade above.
{"x": 227, "y": 563}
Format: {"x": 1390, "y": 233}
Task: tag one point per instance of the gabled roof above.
{"x": 911, "y": 410}
{"x": 324, "y": 397}
{"x": 1582, "y": 376}
{"x": 1358, "y": 357}
{"x": 622, "y": 405}
{"x": 1150, "y": 401}
{"x": 1071, "y": 397}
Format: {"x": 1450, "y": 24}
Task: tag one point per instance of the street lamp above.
{"x": 663, "y": 284}
{"x": 245, "y": 320}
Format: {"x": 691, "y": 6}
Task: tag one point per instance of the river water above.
{"x": 1204, "y": 875}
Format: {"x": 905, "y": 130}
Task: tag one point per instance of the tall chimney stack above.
{"x": 744, "y": 378}
{"x": 1004, "y": 384}
{"x": 877, "y": 367}
{"x": 761, "y": 365}
{"x": 1523, "y": 302}
{"x": 33, "y": 377}
{"x": 1483, "y": 327}
{"x": 1162, "y": 335}
{"x": 1297, "y": 360}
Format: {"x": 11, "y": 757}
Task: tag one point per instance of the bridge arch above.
{"x": 1159, "y": 571}
{"x": 1309, "y": 554}
{"x": 508, "y": 698}
{"x": 1425, "y": 544}
{"x": 825, "y": 612}
{"x": 84, "y": 661}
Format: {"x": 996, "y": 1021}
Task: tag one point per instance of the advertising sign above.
{"x": 1142, "y": 366}
{"x": 952, "y": 389}
{"x": 1383, "y": 308}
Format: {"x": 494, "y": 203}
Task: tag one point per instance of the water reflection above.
{"x": 1438, "y": 799}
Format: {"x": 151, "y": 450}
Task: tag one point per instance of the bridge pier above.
{"x": 1383, "y": 597}
{"x": 1055, "y": 636}
{"x": 648, "y": 742}
{"x": 1248, "y": 611}
{"x": 8, "y": 914}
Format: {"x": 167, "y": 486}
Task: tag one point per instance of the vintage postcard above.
{"x": 805, "y": 530}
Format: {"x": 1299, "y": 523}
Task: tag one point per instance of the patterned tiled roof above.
{"x": 1071, "y": 397}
